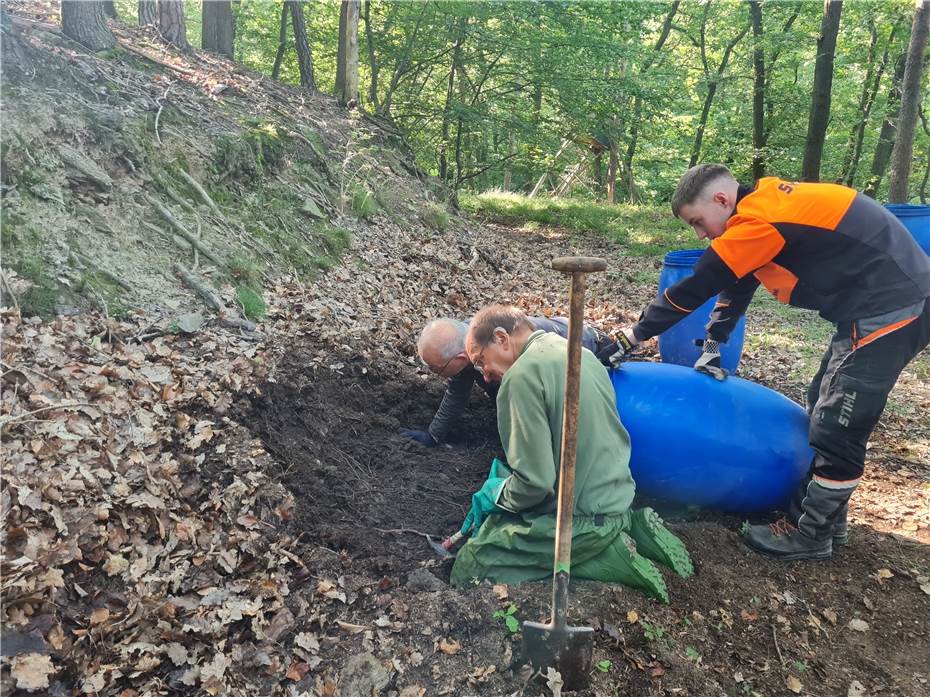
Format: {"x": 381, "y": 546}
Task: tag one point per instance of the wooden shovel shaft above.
{"x": 566, "y": 503}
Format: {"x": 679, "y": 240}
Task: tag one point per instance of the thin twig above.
{"x": 410, "y": 531}
{"x": 9, "y": 291}
{"x": 70, "y": 405}
{"x": 31, "y": 370}
{"x": 777, "y": 649}
{"x": 161, "y": 105}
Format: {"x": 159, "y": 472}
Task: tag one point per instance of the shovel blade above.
{"x": 569, "y": 650}
{"x": 439, "y": 549}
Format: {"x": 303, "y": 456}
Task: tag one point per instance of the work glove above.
{"x": 709, "y": 361}
{"x": 421, "y": 437}
{"x": 624, "y": 342}
{"x": 483, "y": 504}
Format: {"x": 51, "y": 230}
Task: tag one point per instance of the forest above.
{"x": 609, "y": 100}
{"x": 224, "y": 228}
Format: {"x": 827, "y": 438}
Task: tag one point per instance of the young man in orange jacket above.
{"x": 818, "y": 246}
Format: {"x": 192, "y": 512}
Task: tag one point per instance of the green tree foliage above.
{"x": 486, "y": 93}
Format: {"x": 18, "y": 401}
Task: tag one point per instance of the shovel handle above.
{"x": 578, "y": 267}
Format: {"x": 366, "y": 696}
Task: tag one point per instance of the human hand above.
{"x": 619, "y": 349}
{"x": 421, "y": 437}
{"x": 709, "y": 361}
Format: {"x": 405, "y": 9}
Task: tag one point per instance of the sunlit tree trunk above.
{"x": 910, "y": 100}
{"x": 823, "y": 85}
{"x": 347, "y": 62}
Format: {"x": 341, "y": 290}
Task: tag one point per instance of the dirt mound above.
{"x": 336, "y": 436}
{"x": 742, "y": 625}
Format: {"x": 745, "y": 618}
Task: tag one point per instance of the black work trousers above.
{"x": 847, "y": 396}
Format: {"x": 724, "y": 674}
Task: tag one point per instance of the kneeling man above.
{"x": 512, "y": 519}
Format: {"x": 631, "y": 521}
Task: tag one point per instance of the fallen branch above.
{"x": 182, "y": 231}
{"x": 9, "y": 291}
{"x": 227, "y": 317}
{"x": 183, "y": 71}
{"x": 204, "y": 196}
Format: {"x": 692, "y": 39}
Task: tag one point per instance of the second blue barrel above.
{"x": 916, "y": 218}
{"x": 676, "y": 345}
{"x": 732, "y": 445}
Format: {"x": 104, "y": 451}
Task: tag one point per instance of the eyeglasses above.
{"x": 478, "y": 359}
{"x": 441, "y": 372}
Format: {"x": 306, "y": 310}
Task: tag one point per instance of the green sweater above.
{"x": 529, "y": 418}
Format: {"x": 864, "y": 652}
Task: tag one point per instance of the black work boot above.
{"x": 812, "y": 537}
{"x": 840, "y": 527}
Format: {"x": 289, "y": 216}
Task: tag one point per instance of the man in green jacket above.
{"x": 512, "y": 519}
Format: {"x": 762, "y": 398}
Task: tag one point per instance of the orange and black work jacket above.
{"x": 818, "y": 246}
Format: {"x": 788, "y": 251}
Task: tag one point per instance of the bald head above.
{"x": 441, "y": 340}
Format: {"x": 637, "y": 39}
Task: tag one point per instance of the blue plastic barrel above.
{"x": 732, "y": 445}
{"x": 676, "y": 345}
{"x": 916, "y": 218}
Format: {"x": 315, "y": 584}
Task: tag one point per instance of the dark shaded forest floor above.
{"x": 229, "y": 513}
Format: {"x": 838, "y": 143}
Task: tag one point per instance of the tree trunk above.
{"x": 870, "y": 85}
{"x": 148, "y": 13}
{"x": 447, "y": 110}
{"x": 341, "y": 49}
{"x": 218, "y": 27}
{"x": 910, "y": 100}
{"x": 304, "y": 57}
{"x": 709, "y": 97}
{"x": 373, "y": 66}
{"x": 109, "y": 8}
{"x": 758, "y": 91}
{"x": 922, "y": 192}
{"x": 638, "y": 101}
{"x": 889, "y": 129}
{"x": 85, "y": 22}
{"x": 347, "y": 67}
{"x": 612, "y": 175}
{"x": 171, "y": 24}
{"x": 823, "y": 84}
{"x": 282, "y": 43}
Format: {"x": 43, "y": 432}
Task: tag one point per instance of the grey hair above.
{"x": 506, "y": 317}
{"x": 694, "y": 181}
{"x": 452, "y": 330}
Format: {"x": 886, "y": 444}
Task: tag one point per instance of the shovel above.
{"x": 556, "y": 644}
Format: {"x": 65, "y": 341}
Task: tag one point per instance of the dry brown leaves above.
{"x": 120, "y": 557}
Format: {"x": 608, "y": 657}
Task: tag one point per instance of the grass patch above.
{"x": 245, "y": 271}
{"x": 643, "y": 230}
{"x": 435, "y": 217}
{"x": 364, "y": 204}
{"x": 39, "y": 299}
{"x": 251, "y": 301}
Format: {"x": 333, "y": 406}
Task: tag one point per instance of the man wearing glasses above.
{"x": 512, "y": 518}
{"x": 441, "y": 347}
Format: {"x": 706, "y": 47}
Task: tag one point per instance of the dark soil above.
{"x": 743, "y": 625}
